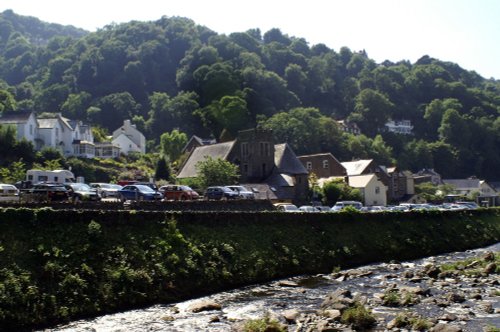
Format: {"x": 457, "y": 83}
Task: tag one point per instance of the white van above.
{"x": 342, "y": 204}
{"x": 59, "y": 176}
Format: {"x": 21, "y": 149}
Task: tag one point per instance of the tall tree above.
{"x": 172, "y": 144}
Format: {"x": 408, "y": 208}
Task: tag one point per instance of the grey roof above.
{"x": 495, "y": 185}
{"x": 463, "y": 183}
{"x": 47, "y": 123}
{"x": 356, "y": 167}
{"x": 220, "y": 150}
{"x": 286, "y": 161}
{"x": 13, "y": 117}
{"x": 261, "y": 190}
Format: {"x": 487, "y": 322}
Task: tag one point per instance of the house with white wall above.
{"x": 373, "y": 190}
{"x": 70, "y": 137}
{"x": 24, "y": 122}
{"x": 403, "y": 127}
{"x": 129, "y": 139}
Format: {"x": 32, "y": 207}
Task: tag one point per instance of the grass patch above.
{"x": 358, "y": 316}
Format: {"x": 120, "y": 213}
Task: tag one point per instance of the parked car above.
{"x": 47, "y": 192}
{"x": 308, "y": 208}
{"x": 149, "y": 184}
{"x": 321, "y": 208}
{"x": 139, "y": 192}
{"x": 82, "y": 192}
{"x": 8, "y": 193}
{"x": 178, "y": 192}
{"x": 107, "y": 189}
{"x": 219, "y": 192}
{"x": 342, "y": 204}
{"x": 373, "y": 209}
{"x": 243, "y": 192}
{"x": 286, "y": 207}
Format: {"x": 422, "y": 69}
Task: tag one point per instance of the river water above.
{"x": 303, "y": 293}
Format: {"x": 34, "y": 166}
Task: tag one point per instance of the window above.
{"x": 31, "y": 129}
{"x": 244, "y": 149}
{"x": 309, "y": 165}
{"x": 245, "y": 168}
{"x": 325, "y": 164}
{"x": 264, "y": 170}
{"x": 377, "y": 190}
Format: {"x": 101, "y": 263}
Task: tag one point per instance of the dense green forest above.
{"x": 174, "y": 74}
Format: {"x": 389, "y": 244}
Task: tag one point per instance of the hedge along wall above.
{"x": 60, "y": 265}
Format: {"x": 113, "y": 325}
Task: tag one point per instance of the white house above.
{"x": 129, "y": 139}
{"x": 373, "y": 190}
{"x": 24, "y": 122}
{"x": 71, "y": 137}
{"x": 399, "y": 127}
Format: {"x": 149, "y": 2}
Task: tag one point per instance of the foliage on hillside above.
{"x": 173, "y": 74}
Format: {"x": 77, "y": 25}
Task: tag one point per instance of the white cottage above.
{"x": 129, "y": 139}
{"x": 24, "y": 122}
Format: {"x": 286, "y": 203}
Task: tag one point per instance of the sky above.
{"x": 466, "y": 32}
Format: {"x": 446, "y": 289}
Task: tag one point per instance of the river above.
{"x": 306, "y": 293}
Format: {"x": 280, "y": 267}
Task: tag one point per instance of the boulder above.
{"x": 290, "y": 315}
{"x": 205, "y": 305}
{"x": 446, "y": 328}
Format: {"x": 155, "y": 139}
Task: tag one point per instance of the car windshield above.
{"x": 82, "y": 186}
{"x": 186, "y": 188}
{"x": 144, "y": 188}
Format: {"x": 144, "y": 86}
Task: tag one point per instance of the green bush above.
{"x": 358, "y": 316}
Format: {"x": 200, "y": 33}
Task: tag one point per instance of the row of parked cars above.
{"x": 404, "y": 207}
{"x": 138, "y": 191}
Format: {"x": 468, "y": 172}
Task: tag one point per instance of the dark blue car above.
{"x": 219, "y": 192}
{"x": 138, "y": 192}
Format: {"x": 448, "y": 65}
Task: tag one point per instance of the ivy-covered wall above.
{"x": 58, "y": 265}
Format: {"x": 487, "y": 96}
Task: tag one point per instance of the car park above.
{"x": 107, "y": 189}
{"x": 343, "y": 204}
{"x": 47, "y": 192}
{"x": 82, "y": 192}
{"x": 178, "y": 192}
{"x": 219, "y": 192}
{"x": 139, "y": 192}
{"x": 9, "y": 193}
{"x": 243, "y": 192}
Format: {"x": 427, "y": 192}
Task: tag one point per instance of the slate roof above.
{"x": 47, "y": 123}
{"x": 262, "y": 190}
{"x": 13, "y": 117}
{"x": 356, "y": 167}
{"x": 286, "y": 161}
{"x": 463, "y": 184}
{"x": 220, "y": 150}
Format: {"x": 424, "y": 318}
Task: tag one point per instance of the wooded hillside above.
{"x": 173, "y": 73}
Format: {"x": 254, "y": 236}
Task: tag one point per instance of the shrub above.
{"x": 358, "y": 316}
{"x": 265, "y": 324}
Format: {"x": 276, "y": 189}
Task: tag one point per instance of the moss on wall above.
{"x": 58, "y": 265}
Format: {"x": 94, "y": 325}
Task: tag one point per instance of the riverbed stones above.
{"x": 291, "y": 315}
{"x": 442, "y": 327}
{"x": 205, "y": 305}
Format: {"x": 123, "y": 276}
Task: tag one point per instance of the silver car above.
{"x": 243, "y": 192}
